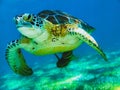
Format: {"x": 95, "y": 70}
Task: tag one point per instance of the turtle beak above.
{"x": 15, "y": 20}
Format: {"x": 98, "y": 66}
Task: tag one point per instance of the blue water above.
{"x": 104, "y": 15}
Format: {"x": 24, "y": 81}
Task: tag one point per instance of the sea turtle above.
{"x": 48, "y": 32}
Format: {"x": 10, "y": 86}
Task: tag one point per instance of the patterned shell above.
{"x": 57, "y": 17}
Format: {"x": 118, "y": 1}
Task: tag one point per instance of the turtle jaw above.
{"x": 26, "y": 28}
{"x": 29, "y": 32}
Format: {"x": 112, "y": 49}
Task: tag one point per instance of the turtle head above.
{"x": 29, "y": 25}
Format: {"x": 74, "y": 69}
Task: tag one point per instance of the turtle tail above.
{"x": 16, "y": 60}
{"x": 87, "y": 38}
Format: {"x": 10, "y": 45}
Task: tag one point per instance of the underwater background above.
{"x": 89, "y": 71}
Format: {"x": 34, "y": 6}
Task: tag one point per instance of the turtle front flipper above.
{"x": 87, "y": 38}
{"x": 65, "y": 60}
{"x": 16, "y": 60}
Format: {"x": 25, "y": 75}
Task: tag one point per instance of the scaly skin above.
{"x": 16, "y": 59}
{"x": 88, "y": 39}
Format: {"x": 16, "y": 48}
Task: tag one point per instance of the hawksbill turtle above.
{"x": 48, "y": 32}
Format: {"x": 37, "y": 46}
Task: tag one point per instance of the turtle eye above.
{"x": 27, "y": 17}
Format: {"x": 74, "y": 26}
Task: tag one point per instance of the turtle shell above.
{"x": 57, "y": 17}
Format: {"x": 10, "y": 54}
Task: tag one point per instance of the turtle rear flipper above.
{"x": 65, "y": 60}
{"x": 16, "y": 60}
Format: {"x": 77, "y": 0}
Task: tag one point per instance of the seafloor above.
{"x": 88, "y": 73}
